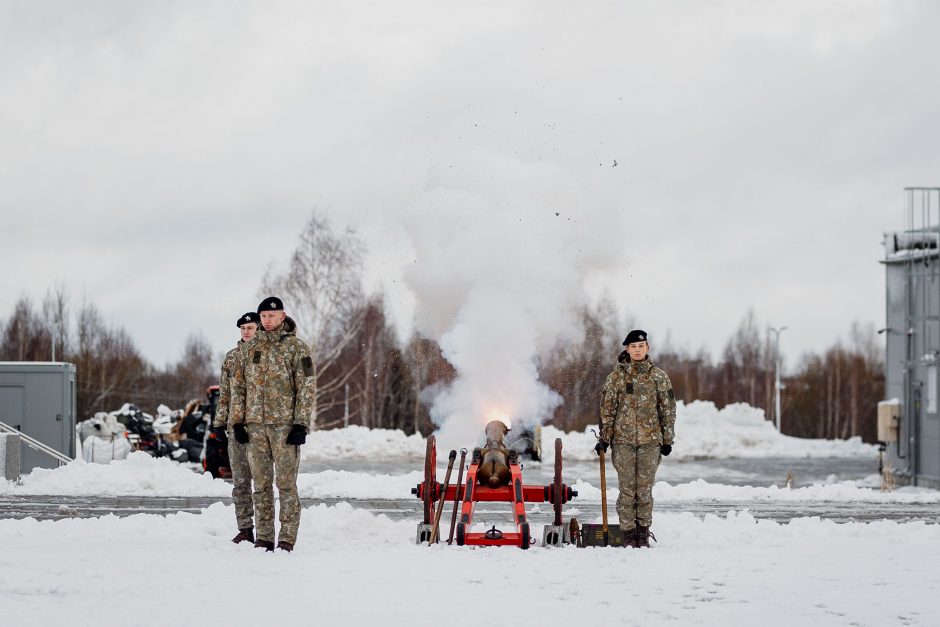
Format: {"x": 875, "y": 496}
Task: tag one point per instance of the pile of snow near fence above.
{"x": 718, "y": 570}
{"x": 705, "y": 432}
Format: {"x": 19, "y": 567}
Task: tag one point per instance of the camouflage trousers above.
{"x": 241, "y": 477}
{"x": 273, "y": 460}
{"x": 636, "y": 472}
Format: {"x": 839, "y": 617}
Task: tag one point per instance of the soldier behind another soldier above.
{"x": 638, "y": 416}
{"x": 222, "y": 427}
{"x": 273, "y": 401}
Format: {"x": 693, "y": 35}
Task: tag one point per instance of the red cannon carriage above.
{"x": 494, "y": 475}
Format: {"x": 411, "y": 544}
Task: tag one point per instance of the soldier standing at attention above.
{"x": 273, "y": 395}
{"x": 222, "y": 427}
{"x": 638, "y": 417}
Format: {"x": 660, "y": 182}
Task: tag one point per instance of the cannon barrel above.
{"x": 494, "y": 464}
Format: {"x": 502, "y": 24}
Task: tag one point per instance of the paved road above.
{"x": 757, "y": 472}
{"x": 59, "y": 507}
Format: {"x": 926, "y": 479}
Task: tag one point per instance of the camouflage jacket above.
{"x": 230, "y": 364}
{"x": 275, "y": 385}
{"x": 638, "y": 405}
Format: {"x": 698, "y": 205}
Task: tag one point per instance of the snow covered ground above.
{"x": 732, "y": 569}
{"x": 351, "y": 567}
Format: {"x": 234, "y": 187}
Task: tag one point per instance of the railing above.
{"x": 36, "y": 445}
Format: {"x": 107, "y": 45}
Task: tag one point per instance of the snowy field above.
{"x": 352, "y": 567}
{"x": 735, "y": 568}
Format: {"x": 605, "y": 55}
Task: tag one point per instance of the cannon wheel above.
{"x": 430, "y": 479}
{"x": 526, "y": 540}
{"x": 557, "y": 486}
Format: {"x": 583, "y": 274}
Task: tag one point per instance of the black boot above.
{"x": 267, "y": 545}
{"x": 245, "y": 535}
{"x": 629, "y": 538}
{"x": 643, "y": 535}
{"x": 285, "y": 546}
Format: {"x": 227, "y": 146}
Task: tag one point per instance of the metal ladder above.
{"x": 36, "y": 445}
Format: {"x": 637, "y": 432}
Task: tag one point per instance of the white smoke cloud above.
{"x": 502, "y": 252}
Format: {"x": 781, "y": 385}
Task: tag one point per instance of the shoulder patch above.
{"x": 672, "y": 395}
{"x": 307, "y": 364}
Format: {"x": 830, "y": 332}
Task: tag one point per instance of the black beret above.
{"x": 635, "y": 335}
{"x": 248, "y": 317}
{"x": 271, "y": 303}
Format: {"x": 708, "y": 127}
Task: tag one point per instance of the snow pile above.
{"x": 705, "y": 432}
{"x": 356, "y": 442}
{"x": 699, "y": 490}
{"x": 353, "y": 485}
{"x": 138, "y": 475}
{"x": 806, "y": 572}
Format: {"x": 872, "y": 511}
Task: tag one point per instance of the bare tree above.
{"x": 25, "y": 336}
{"x": 55, "y": 310}
{"x": 322, "y": 287}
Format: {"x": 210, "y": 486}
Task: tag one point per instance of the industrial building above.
{"x": 909, "y": 419}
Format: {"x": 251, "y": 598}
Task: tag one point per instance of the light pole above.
{"x": 777, "y": 386}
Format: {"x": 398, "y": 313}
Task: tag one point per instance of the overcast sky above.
{"x": 156, "y": 157}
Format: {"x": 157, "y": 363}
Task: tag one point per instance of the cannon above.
{"x": 494, "y": 475}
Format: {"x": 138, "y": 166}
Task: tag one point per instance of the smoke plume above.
{"x": 502, "y": 250}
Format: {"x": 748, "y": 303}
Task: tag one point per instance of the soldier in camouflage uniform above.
{"x": 273, "y": 398}
{"x": 222, "y": 428}
{"x": 638, "y": 416}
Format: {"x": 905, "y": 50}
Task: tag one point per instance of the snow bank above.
{"x": 356, "y": 442}
{"x": 364, "y": 569}
{"x": 705, "y": 432}
{"x": 138, "y": 475}
{"x": 702, "y": 432}
{"x": 354, "y": 485}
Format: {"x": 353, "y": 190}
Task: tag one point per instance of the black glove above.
{"x": 601, "y": 447}
{"x": 241, "y": 433}
{"x": 665, "y": 449}
{"x": 297, "y": 435}
{"x": 219, "y": 433}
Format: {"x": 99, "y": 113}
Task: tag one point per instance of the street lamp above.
{"x": 777, "y": 386}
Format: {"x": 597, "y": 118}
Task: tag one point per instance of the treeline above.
{"x": 110, "y": 370}
{"x": 833, "y": 395}
{"x": 367, "y": 375}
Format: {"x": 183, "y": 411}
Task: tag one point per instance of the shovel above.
{"x": 601, "y": 535}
